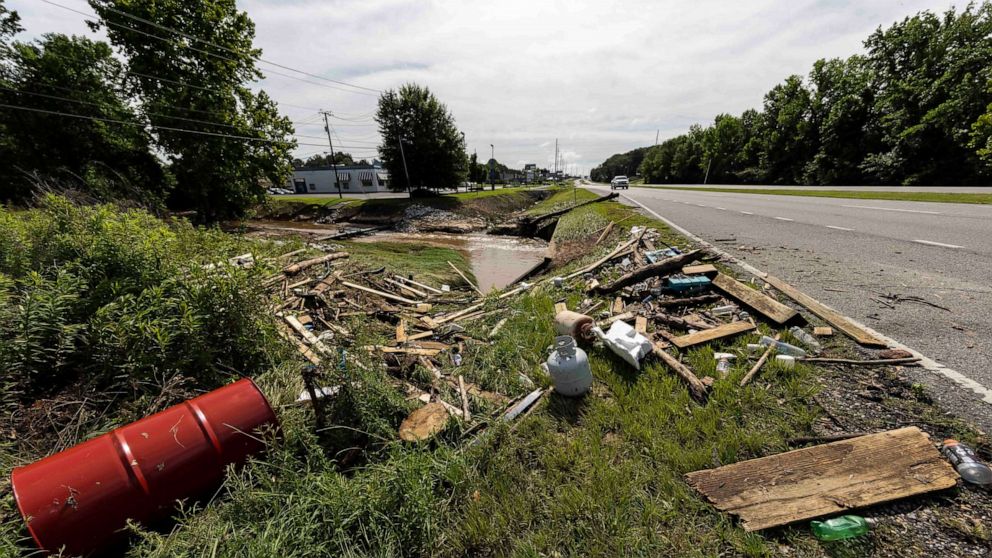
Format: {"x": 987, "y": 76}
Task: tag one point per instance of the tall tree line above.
{"x": 173, "y": 122}
{"x": 915, "y": 109}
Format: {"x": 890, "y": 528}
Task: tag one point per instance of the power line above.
{"x": 204, "y": 41}
{"x": 146, "y": 113}
{"x": 168, "y": 128}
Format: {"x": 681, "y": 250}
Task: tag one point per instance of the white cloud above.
{"x": 601, "y": 76}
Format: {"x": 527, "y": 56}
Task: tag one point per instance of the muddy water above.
{"x": 496, "y": 260}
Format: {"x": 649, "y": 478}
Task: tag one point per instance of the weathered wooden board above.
{"x": 424, "y": 423}
{"x": 828, "y": 314}
{"x": 701, "y": 269}
{"x": 826, "y": 479}
{"x": 823, "y": 331}
{"x": 711, "y": 334}
{"x": 761, "y": 303}
{"x": 641, "y": 324}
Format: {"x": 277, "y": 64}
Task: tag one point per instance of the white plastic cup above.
{"x": 786, "y": 361}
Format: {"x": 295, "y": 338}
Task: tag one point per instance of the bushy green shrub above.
{"x": 102, "y": 296}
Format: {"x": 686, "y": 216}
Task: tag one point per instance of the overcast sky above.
{"x": 602, "y": 76}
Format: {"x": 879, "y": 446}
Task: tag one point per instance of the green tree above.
{"x": 981, "y": 138}
{"x": 843, "y": 99}
{"x": 722, "y": 148}
{"x": 326, "y": 160}
{"x": 932, "y": 73}
{"x": 216, "y": 175}
{"x": 74, "y": 75}
{"x": 622, "y": 163}
{"x": 787, "y": 131}
{"x": 433, "y": 146}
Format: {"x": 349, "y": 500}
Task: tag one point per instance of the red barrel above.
{"x": 80, "y": 498}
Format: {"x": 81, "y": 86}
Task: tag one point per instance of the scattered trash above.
{"x": 558, "y": 282}
{"x": 723, "y": 362}
{"x": 568, "y": 366}
{"x": 755, "y": 347}
{"x": 688, "y": 285}
{"x": 840, "y": 528}
{"x": 330, "y": 391}
{"x": 723, "y": 310}
{"x": 575, "y": 324}
{"x": 655, "y": 256}
{"x": 624, "y": 340}
{"x": 826, "y": 479}
{"x": 782, "y": 346}
{"x": 523, "y": 405}
{"x": 805, "y": 338}
{"x": 823, "y": 331}
{"x": 967, "y": 463}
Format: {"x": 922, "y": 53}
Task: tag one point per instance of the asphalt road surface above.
{"x": 862, "y": 257}
{"x": 955, "y": 189}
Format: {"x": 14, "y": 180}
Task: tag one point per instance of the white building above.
{"x": 355, "y": 179}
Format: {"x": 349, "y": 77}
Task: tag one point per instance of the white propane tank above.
{"x": 569, "y": 368}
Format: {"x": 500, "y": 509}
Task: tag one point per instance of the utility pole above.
{"x": 327, "y": 128}
{"x": 492, "y": 167}
{"x": 707, "y": 177}
{"x": 556, "y": 161}
{"x": 409, "y": 191}
{"x": 656, "y": 134}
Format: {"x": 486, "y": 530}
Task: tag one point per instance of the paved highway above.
{"x": 856, "y": 255}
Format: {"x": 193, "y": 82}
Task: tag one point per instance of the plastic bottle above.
{"x": 805, "y": 338}
{"x": 783, "y": 348}
{"x": 967, "y": 463}
{"x": 723, "y": 362}
{"x": 839, "y": 528}
{"x": 786, "y": 361}
{"x": 723, "y": 310}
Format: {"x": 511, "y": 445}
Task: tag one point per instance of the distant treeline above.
{"x": 916, "y": 109}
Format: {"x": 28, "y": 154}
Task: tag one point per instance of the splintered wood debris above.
{"x": 826, "y": 479}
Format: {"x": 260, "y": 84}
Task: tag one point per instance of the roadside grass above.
{"x": 427, "y": 264}
{"x": 938, "y": 197}
{"x": 484, "y": 203}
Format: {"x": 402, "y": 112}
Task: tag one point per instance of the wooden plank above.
{"x": 826, "y": 479}
{"x": 701, "y": 269}
{"x": 298, "y": 267}
{"x": 641, "y": 324}
{"x": 421, "y": 285}
{"x": 606, "y": 233}
{"x": 424, "y": 422}
{"x": 760, "y": 302}
{"x": 401, "y": 331}
{"x": 464, "y": 278}
{"x": 386, "y": 295}
{"x": 823, "y": 331}
{"x": 718, "y": 332}
{"x": 826, "y": 313}
{"x": 618, "y": 317}
{"x": 617, "y": 307}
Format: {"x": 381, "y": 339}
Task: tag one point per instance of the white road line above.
{"x": 927, "y": 363}
{"x": 839, "y": 228}
{"x": 893, "y": 209}
{"x": 941, "y": 244}
{"x": 747, "y": 213}
{"x": 784, "y": 219}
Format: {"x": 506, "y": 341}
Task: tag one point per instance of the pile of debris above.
{"x": 420, "y": 218}
{"x": 679, "y": 300}
{"x": 315, "y": 295}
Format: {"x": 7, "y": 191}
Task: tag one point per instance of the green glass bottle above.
{"x": 838, "y": 528}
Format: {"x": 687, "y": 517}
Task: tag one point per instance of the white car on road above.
{"x": 619, "y": 182}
